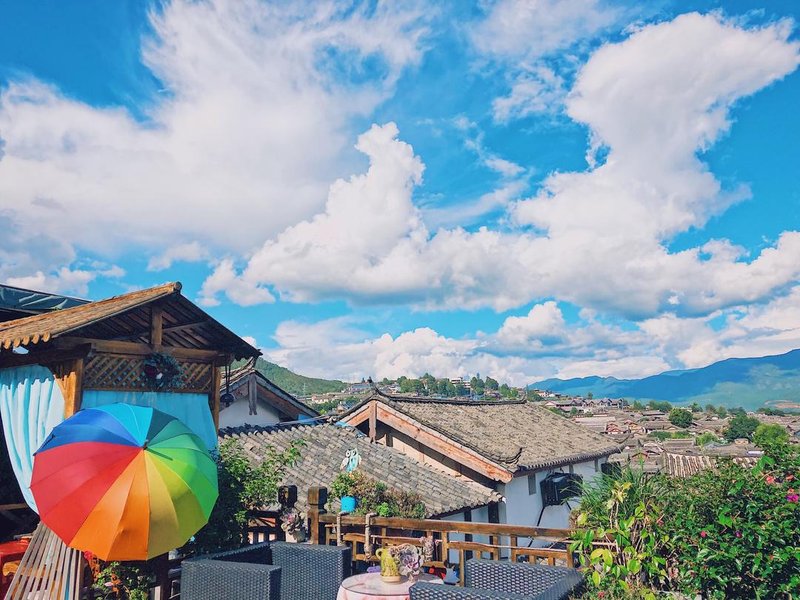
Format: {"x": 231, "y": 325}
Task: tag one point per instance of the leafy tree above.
{"x": 680, "y": 417}
{"x": 637, "y": 406}
{"x": 461, "y": 389}
{"x": 661, "y": 405}
{"x": 775, "y": 412}
{"x": 491, "y": 384}
{"x": 706, "y": 438}
{"x": 711, "y": 409}
{"x": 770, "y": 433}
{"x": 695, "y": 407}
{"x": 741, "y": 426}
{"x": 477, "y": 385}
{"x": 722, "y": 412}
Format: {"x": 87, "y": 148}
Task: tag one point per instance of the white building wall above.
{"x": 523, "y": 507}
{"x": 237, "y": 414}
{"x": 479, "y": 515}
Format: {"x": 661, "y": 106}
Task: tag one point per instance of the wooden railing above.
{"x": 454, "y": 541}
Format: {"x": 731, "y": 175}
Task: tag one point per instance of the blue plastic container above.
{"x": 348, "y": 504}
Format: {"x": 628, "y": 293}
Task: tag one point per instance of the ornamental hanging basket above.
{"x": 162, "y": 371}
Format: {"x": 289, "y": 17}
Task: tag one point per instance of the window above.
{"x": 532, "y": 484}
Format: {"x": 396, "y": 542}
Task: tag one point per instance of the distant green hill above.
{"x": 747, "y": 382}
{"x": 295, "y": 384}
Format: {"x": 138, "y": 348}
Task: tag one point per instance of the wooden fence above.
{"x": 454, "y": 541}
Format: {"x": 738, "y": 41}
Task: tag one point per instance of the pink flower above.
{"x": 770, "y": 479}
{"x": 790, "y": 478}
{"x": 703, "y": 534}
{"x": 738, "y": 534}
{"x": 793, "y": 497}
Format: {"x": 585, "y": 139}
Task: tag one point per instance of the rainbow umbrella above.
{"x": 124, "y": 482}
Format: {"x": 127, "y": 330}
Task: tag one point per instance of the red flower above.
{"x": 790, "y": 478}
{"x": 703, "y": 534}
{"x": 770, "y": 479}
{"x": 601, "y": 594}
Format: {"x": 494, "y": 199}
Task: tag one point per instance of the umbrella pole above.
{"x": 49, "y": 569}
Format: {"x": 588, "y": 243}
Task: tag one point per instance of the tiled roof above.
{"x": 686, "y": 465}
{"x": 325, "y": 448}
{"x": 516, "y": 435}
{"x": 280, "y": 398}
{"x": 127, "y": 316}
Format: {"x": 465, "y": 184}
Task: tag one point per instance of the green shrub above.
{"x": 243, "y": 486}
{"x": 770, "y": 433}
{"x": 375, "y": 497}
{"x": 735, "y": 532}
{"x": 618, "y": 537}
{"x": 680, "y": 417}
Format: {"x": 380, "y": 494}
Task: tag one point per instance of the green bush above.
{"x": 733, "y": 532}
{"x": 375, "y": 497}
{"x": 244, "y": 485}
{"x": 770, "y": 433}
{"x": 618, "y": 537}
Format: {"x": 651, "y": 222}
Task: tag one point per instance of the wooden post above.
{"x": 69, "y": 377}
{"x": 252, "y": 394}
{"x": 317, "y": 498}
{"x": 156, "y": 327}
{"x": 213, "y": 395}
{"x": 373, "y": 421}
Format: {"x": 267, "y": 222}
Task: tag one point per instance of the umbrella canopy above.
{"x": 124, "y": 482}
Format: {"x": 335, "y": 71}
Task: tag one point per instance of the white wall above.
{"x": 238, "y": 414}
{"x": 479, "y": 515}
{"x": 523, "y": 508}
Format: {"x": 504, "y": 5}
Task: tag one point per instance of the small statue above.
{"x": 390, "y": 570}
{"x": 351, "y": 461}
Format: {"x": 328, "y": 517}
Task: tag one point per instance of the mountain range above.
{"x": 747, "y": 382}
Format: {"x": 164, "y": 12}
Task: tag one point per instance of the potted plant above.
{"x": 293, "y": 522}
{"x": 342, "y": 488}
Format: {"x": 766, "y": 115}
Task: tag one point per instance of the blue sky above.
{"x": 518, "y": 188}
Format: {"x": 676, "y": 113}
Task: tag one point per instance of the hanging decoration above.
{"x": 162, "y": 371}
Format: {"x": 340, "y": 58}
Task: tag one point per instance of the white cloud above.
{"x": 524, "y": 35}
{"x": 256, "y": 110}
{"x": 188, "y": 252}
{"x": 529, "y": 29}
{"x": 597, "y": 238}
{"x": 540, "y": 91}
{"x": 62, "y": 281}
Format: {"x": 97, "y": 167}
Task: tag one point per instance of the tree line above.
{"x": 428, "y": 385}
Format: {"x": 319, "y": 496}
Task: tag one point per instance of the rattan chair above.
{"x": 242, "y": 574}
{"x": 495, "y": 580}
{"x": 310, "y": 571}
{"x": 267, "y": 571}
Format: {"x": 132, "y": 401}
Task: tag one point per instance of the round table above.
{"x": 370, "y": 586}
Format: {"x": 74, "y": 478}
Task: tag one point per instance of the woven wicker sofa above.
{"x": 493, "y": 580}
{"x": 267, "y": 571}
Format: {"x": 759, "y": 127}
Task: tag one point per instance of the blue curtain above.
{"x": 192, "y": 409}
{"x": 31, "y": 404}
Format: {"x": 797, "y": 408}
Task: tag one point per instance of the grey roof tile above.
{"x": 325, "y": 447}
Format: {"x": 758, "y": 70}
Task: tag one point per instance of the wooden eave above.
{"x": 282, "y": 400}
{"x": 153, "y": 318}
{"x": 373, "y": 411}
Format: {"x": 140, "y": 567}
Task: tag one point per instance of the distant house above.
{"x": 509, "y": 446}
{"x": 325, "y": 447}
{"x": 258, "y": 401}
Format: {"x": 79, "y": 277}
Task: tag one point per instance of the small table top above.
{"x": 370, "y": 586}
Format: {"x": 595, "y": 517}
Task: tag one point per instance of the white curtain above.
{"x": 31, "y": 404}
{"x": 191, "y": 409}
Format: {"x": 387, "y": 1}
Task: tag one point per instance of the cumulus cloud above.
{"x": 523, "y": 36}
{"x": 188, "y": 252}
{"x": 256, "y": 112}
{"x": 598, "y": 238}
